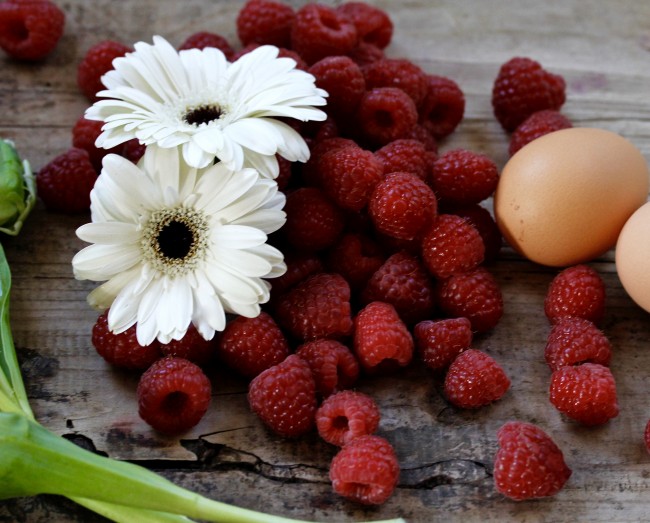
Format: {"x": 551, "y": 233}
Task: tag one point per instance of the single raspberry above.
{"x": 356, "y": 257}
{"x": 576, "y": 291}
{"x": 451, "y": 245}
{"x": 319, "y": 31}
{"x": 400, "y": 73}
{"x": 343, "y": 80}
{"x": 422, "y": 135}
{"x": 64, "y": 184}
{"x": 300, "y": 265}
{"x": 123, "y": 349}
{"x": 585, "y": 393}
{"x": 310, "y": 172}
{"x": 133, "y": 150}
{"x": 173, "y": 395}
{"x": 475, "y": 295}
{"x": 318, "y": 307}
{"x": 528, "y": 463}
{"x": 382, "y": 343}
{"x": 403, "y": 282}
{"x": 462, "y": 177}
{"x": 646, "y": 436}
{"x": 573, "y": 341}
{"x": 443, "y": 106}
{"x": 30, "y": 30}
{"x": 192, "y": 346}
{"x": 439, "y": 342}
{"x": 265, "y": 22}
{"x": 284, "y": 397}
{"x": 97, "y": 61}
{"x": 332, "y": 364}
{"x": 521, "y": 88}
{"x": 365, "y": 53}
{"x": 405, "y": 155}
{"x": 345, "y": 416}
{"x": 204, "y": 39}
{"x": 365, "y": 470}
{"x": 386, "y": 114}
{"x": 537, "y": 124}
{"x": 84, "y": 134}
{"x": 349, "y": 175}
{"x": 474, "y": 379}
{"x": 403, "y": 206}
{"x": 484, "y": 223}
{"x": 373, "y": 24}
{"x": 320, "y": 131}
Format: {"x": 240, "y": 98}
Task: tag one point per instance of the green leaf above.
{"x": 17, "y": 189}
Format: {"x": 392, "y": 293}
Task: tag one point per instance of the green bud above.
{"x": 17, "y": 189}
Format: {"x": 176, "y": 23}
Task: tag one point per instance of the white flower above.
{"x": 177, "y": 245}
{"x": 211, "y": 107}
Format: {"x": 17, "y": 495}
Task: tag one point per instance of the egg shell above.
{"x": 563, "y": 198}
{"x": 633, "y": 256}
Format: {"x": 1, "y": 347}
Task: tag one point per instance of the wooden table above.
{"x": 603, "y": 51}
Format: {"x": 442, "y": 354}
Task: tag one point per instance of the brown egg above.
{"x": 564, "y": 198}
{"x": 633, "y": 256}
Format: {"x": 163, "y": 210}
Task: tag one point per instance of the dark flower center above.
{"x": 203, "y": 114}
{"x": 175, "y": 240}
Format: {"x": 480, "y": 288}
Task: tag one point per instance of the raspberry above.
{"x": 474, "y": 379}
{"x": 343, "y": 80}
{"x": 285, "y": 172}
{"x": 576, "y": 291}
{"x": 284, "y": 397}
{"x": 374, "y": 26}
{"x": 313, "y": 221}
{"x": 204, "y": 39}
{"x": 133, "y": 150}
{"x": 528, "y": 463}
{"x": 585, "y": 393}
{"x": 386, "y": 114}
{"x": 349, "y": 175}
{"x": 646, "y": 436}
{"x": 403, "y": 206}
{"x": 573, "y": 341}
{"x": 364, "y": 54}
{"x": 521, "y": 88}
{"x": 97, "y": 61}
{"x": 439, "y": 342}
{"x": 64, "y": 184}
{"x": 365, "y": 470}
{"x": 252, "y": 345}
{"x": 382, "y": 343}
{"x": 319, "y": 31}
{"x": 345, "y": 416}
{"x": 265, "y": 22}
{"x": 318, "y": 307}
{"x": 84, "y": 134}
{"x": 443, "y": 106}
{"x": 332, "y": 364}
{"x": 192, "y": 346}
{"x": 422, "y": 135}
{"x": 30, "y": 30}
{"x": 123, "y": 349}
{"x": 400, "y": 73}
{"x": 484, "y": 223}
{"x": 356, "y": 257}
{"x": 451, "y": 245}
{"x": 404, "y": 155}
{"x": 318, "y": 149}
{"x": 403, "y": 282}
{"x": 536, "y": 125}
{"x": 173, "y": 395}
{"x": 462, "y": 177}
{"x": 475, "y": 295}
{"x": 299, "y": 267}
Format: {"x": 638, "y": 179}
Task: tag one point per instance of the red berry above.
{"x": 646, "y": 436}
{"x": 345, "y": 416}
{"x": 192, "y": 346}
{"x": 405, "y": 155}
{"x": 356, "y": 257}
{"x": 422, "y": 135}
{"x": 484, "y": 223}
{"x": 173, "y": 395}
{"x": 133, "y": 150}
{"x": 386, "y": 114}
{"x": 382, "y": 343}
{"x": 64, "y": 184}
{"x": 451, "y": 245}
{"x": 475, "y": 295}
{"x": 573, "y": 341}
{"x": 397, "y": 72}
{"x": 30, "y": 30}
{"x": 265, "y": 22}
{"x": 343, "y": 80}
{"x": 521, "y": 88}
{"x": 251, "y": 345}
{"x": 318, "y": 307}
{"x": 84, "y": 134}
{"x": 443, "y": 106}
{"x": 285, "y": 172}
{"x": 97, "y": 61}
{"x": 318, "y": 149}
{"x": 585, "y": 393}
{"x": 536, "y": 125}
{"x": 365, "y": 53}
{"x": 365, "y": 470}
{"x": 462, "y": 177}
{"x": 204, "y": 39}
{"x": 576, "y": 291}
{"x": 300, "y": 265}
{"x": 474, "y": 379}
{"x": 123, "y": 349}
{"x": 528, "y": 463}
{"x": 439, "y": 342}
{"x": 332, "y": 364}
{"x": 373, "y": 24}
{"x": 284, "y": 397}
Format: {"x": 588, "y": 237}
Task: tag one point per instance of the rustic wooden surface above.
{"x": 603, "y": 51}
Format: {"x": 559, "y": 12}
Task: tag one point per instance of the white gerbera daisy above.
{"x": 211, "y": 107}
{"x": 177, "y": 245}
